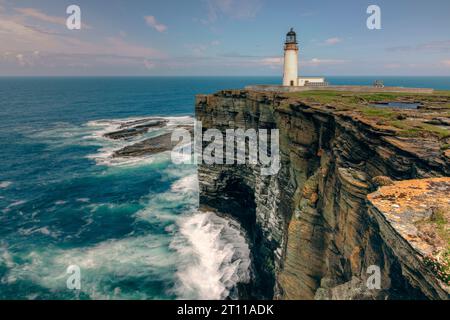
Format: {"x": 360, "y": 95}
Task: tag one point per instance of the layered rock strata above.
{"x": 314, "y": 234}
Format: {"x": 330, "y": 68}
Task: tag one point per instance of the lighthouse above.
{"x": 290, "y": 74}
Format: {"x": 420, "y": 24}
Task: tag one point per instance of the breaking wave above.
{"x": 215, "y": 257}
{"x": 157, "y": 244}
{"x": 5, "y": 184}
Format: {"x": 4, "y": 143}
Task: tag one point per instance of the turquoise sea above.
{"x": 131, "y": 225}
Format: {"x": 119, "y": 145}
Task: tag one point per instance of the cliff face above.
{"x": 313, "y": 232}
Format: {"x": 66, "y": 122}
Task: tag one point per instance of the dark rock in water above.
{"x": 125, "y": 134}
{"x": 147, "y": 147}
{"x": 150, "y": 146}
{"x": 136, "y": 123}
{"x": 135, "y": 128}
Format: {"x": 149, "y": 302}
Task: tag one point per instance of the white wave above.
{"x": 186, "y": 184}
{"x": 182, "y": 154}
{"x": 17, "y": 203}
{"x": 6, "y": 258}
{"x": 43, "y": 230}
{"x": 164, "y": 206}
{"x": 180, "y": 121}
{"x": 5, "y": 184}
{"x": 105, "y": 158}
{"x": 64, "y": 134}
{"x": 13, "y": 205}
{"x": 103, "y": 267}
{"x": 215, "y": 256}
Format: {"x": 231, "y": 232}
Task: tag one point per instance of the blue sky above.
{"x": 223, "y": 37}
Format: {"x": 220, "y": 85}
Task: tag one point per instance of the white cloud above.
{"x": 149, "y": 65}
{"x": 121, "y": 47}
{"x": 25, "y": 46}
{"x": 333, "y": 41}
{"x": 432, "y": 46}
{"x": 272, "y": 61}
{"x": 315, "y": 62}
{"x": 200, "y": 49}
{"x": 20, "y": 59}
{"x": 392, "y": 65}
{"x": 152, "y": 22}
{"x": 41, "y": 16}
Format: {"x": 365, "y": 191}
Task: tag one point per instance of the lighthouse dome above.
{"x": 291, "y": 36}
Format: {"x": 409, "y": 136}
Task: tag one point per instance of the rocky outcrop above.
{"x": 149, "y": 146}
{"x": 135, "y": 128}
{"x": 413, "y": 216}
{"x": 312, "y": 230}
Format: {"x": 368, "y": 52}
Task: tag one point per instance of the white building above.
{"x": 290, "y": 74}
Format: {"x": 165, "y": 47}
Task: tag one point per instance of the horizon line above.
{"x": 201, "y": 76}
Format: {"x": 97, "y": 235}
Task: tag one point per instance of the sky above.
{"x": 222, "y": 37}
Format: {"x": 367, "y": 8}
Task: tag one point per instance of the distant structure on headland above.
{"x": 293, "y": 83}
{"x": 290, "y": 74}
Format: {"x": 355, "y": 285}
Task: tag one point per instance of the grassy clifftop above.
{"x": 431, "y": 118}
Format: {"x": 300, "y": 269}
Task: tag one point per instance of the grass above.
{"x": 407, "y": 123}
{"x": 442, "y": 132}
{"x": 325, "y": 96}
{"x": 411, "y": 128}
{"x": 379, "y": 112}
{"x": 440, "y": 265}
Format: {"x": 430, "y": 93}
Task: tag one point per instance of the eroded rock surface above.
{"x": 312, "y": 231}
{"x": 413, "y": 216}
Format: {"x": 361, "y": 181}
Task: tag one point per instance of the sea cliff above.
{"x": 317, "y": 226}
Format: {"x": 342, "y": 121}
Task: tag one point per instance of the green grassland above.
{"x": 406, "y": 122}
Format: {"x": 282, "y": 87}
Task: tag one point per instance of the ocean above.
{"x": 130, "y": 225}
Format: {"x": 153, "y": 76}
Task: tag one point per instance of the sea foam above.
{"x": 108, "y": 147}
{"x": 215, "y": 257}
{"x": 5, "y": 184}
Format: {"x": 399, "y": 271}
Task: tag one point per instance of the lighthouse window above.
{"x": 292, "y": 83}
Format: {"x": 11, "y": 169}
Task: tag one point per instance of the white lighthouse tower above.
{"x": 290, "y": 74}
